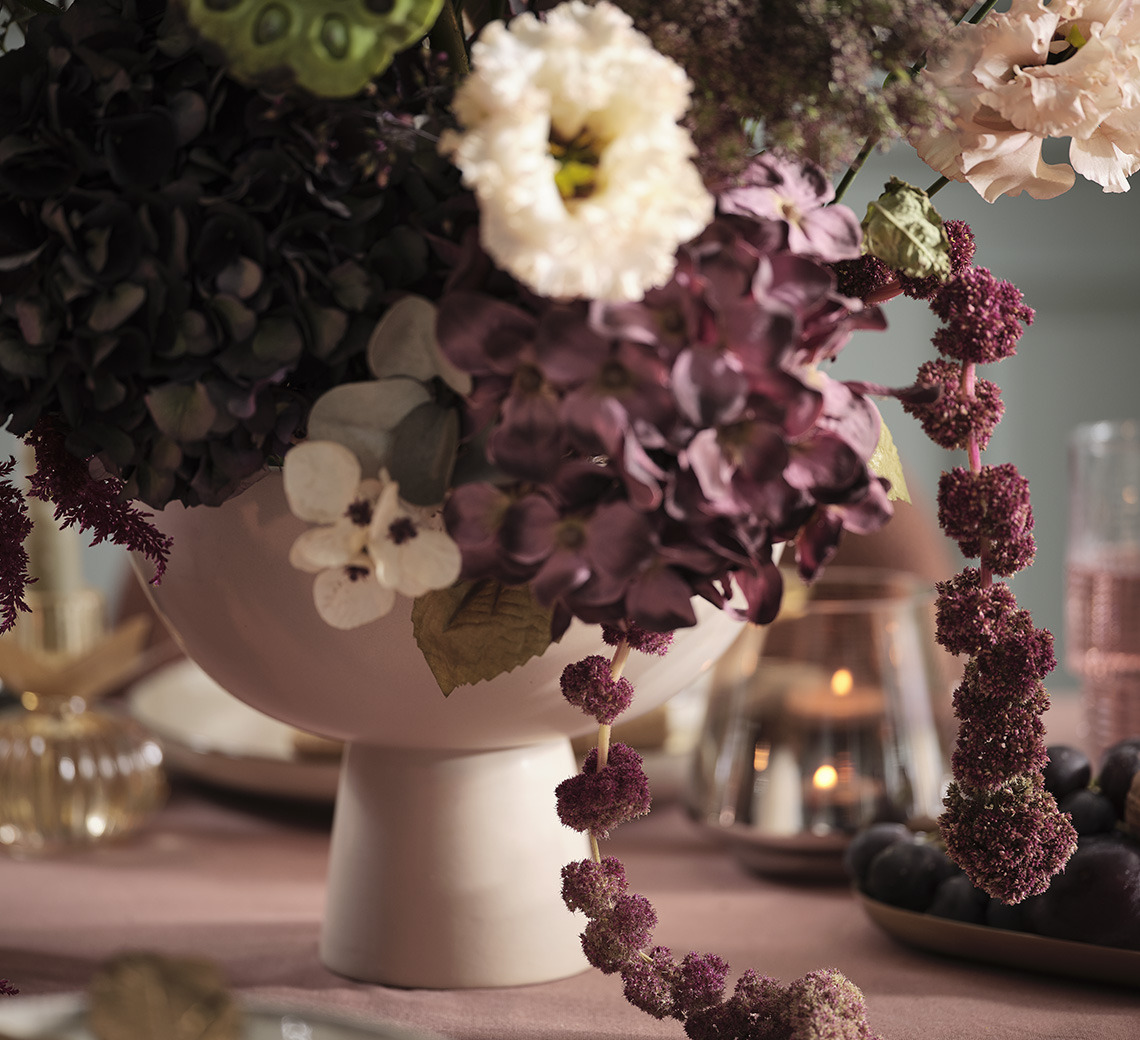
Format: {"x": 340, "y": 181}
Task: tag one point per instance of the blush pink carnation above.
{"x": 1069, "y": 69}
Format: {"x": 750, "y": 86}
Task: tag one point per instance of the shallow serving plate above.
{"x": 209, "y": 734}
{"x": 62, "y": 1017}
{"x": 1011, "y": 949}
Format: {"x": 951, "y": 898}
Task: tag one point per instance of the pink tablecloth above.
{"x": 241, "y": 881}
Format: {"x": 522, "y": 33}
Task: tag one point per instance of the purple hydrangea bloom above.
{"x": 795, "y": 195}
{"x": 664, "y": 446}
{"x": 595, "y": 801}
{"x": 613, "y": 939}
{"x": 593, "y": 887}
{"x": 1010, "y": 840}
{"x": 589, "y": 685}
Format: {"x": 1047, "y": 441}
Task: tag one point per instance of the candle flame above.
{"x": 825, "y": 777}
{"x": 842, "y": 682}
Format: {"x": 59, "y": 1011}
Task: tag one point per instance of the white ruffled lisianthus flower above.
{"x": 1069, "y": 69}
{"x": 368, "y": 545}
{"x": 584, "y": 178}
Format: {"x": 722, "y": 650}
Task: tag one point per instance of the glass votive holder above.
{"x": 73, "y": 775}
{"x": 835, "y": 716}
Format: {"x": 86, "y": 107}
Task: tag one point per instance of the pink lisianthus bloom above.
{"x": 1067, "y": 69}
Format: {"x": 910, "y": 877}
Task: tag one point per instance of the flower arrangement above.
{"x": 532, "y": 303}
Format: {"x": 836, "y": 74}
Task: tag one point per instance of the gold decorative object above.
{"x": 144, "y": 996}
{"x": 71, "y": 773}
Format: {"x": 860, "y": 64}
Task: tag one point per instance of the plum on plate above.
{"x": 1096, "y": 898}
{"x": 1067, "y": 770}
{"x": 907, "y": 874}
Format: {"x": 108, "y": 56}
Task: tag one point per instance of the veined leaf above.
{"x": 478, "y": 630}
{"x": 903, "y": 229}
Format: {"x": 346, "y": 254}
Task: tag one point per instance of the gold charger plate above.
{"x": 977, "y": 942}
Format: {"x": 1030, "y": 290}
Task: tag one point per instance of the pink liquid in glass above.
{"x": 1102, "y": 633}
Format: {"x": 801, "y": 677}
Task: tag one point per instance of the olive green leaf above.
{"x": 477, "y": 630}
{"x": 903, "y": 229}
{"x": 885, "y": 462}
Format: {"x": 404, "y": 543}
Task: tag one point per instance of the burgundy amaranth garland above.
{"x": 611, "y": 789}
{"x": 999, "y": 823}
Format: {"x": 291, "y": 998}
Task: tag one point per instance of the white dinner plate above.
{"x": 62, "y": 1017}
{"x": 209, "y": 734}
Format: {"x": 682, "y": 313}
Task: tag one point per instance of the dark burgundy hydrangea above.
{"x": 970, "y": 615}
{"x": 637, "y": 638}
{"x": 956, "y": 417}
{"x": 596, "y": 801}
{"x": 590, "y": 686}
{"x": 613, "y": 939}
{"x": 649, "y": 984}
{"x": 593, "y": 887}
{"x": 1010, "y": 840}
{"x": 983, "y": 317}
{"x": 186, "y": 263}
{"x": 962, "y": 248}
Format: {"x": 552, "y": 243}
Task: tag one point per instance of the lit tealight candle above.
{"x": 841, "y": 700}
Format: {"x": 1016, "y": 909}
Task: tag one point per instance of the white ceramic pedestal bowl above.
{"x": 446, "y": 848}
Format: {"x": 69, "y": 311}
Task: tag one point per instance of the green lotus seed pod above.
{"x": 331, "y": 48}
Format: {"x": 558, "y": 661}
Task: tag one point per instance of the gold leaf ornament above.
{"x": 903, "y": 229}
{"x": 474, "y": 631}
{"x": 331, "y": 48}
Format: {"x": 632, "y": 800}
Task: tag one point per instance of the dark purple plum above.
{"x": 1067, "y": 770}
{"x": 907, "y": 874}
{"x": 867, "y": 844}
{"x": 1096, "y": 898}
{"x": 1092, "y": 812}
{"x": 1120, "y": 764}
{"x": 957, "y": 899}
